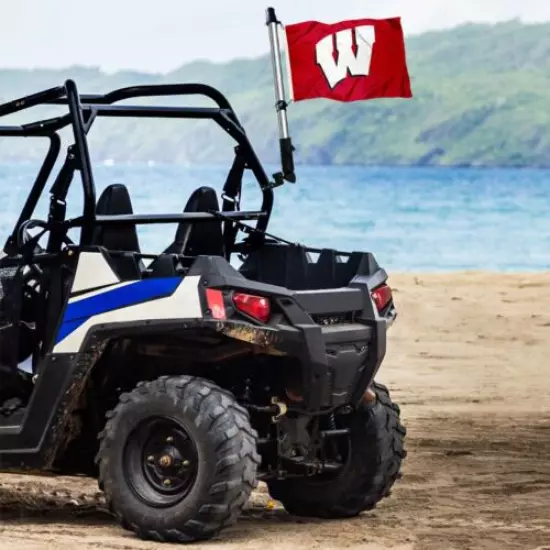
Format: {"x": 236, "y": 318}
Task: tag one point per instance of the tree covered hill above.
{"x": 481, "y": 98}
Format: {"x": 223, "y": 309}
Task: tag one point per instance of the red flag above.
{"x": 347, "y": 61}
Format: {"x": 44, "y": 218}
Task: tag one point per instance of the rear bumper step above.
{"x": 342, "y": 333}
{"x": 330, "y": 301}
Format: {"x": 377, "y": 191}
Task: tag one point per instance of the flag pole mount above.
{"x": 285, "y": 142}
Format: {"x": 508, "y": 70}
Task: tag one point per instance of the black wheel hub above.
{"x": 160, "y": 462}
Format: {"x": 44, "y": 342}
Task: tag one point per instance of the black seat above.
{"x": 199, "y": 238}
{"x": 193, "y": 239}
{"x": 115, "y": 200}
{"x": 202, "y": 238}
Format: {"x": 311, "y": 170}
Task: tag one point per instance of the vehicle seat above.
{"x": 199, "y": 238}
{"x": 115, "y": 200}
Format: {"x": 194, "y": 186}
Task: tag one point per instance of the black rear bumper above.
{"x": 338, "y": 360}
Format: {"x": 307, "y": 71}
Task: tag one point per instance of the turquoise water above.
{"x": 413, "y": 219}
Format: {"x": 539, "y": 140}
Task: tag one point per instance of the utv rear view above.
{"x": 174, "y": 378}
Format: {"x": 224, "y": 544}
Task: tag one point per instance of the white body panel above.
{"x": 180, "y": 301}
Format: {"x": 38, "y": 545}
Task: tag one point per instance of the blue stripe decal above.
{"x": 67, "y": 327}
{"x": 77, "y": 313}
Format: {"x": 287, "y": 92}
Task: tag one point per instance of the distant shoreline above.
{"x": 270, "y": 166}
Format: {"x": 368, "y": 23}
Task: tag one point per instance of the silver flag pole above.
{"x": 285, "y": 142}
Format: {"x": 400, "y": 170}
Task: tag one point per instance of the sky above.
{"x": 161, "y": 35}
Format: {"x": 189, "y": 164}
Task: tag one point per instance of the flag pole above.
{"x": 285, "y": 142}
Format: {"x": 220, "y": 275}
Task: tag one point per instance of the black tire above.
{"x": 373, "y": 465}
{"x": 206, "y": 421}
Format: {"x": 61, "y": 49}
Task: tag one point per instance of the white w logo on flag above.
{"x": 352, "y": 57}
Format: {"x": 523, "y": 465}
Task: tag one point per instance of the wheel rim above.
{"x": 160, "y": 462}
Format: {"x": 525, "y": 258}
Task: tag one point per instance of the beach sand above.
{"x": 469, "y": 362}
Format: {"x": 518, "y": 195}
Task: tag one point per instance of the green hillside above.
{"x": 482, "y": 98}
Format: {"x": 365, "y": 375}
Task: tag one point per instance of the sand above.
{"x": 469, "y": 362}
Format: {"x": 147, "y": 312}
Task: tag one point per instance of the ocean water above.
{"x": 413, "y": 219}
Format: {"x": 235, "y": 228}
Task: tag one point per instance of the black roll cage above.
{"x": 83, "y": 110}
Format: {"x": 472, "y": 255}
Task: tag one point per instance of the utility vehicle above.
{"x": 175, "y": 378}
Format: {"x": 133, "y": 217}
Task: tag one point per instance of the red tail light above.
{"x": 255, "y": 306}
{"x": 382, "y": 296}
{"x": 214, "y": 300}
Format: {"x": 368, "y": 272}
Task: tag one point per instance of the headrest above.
{"x": 115, "y": 200}
{"x": 201, "y": 200}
